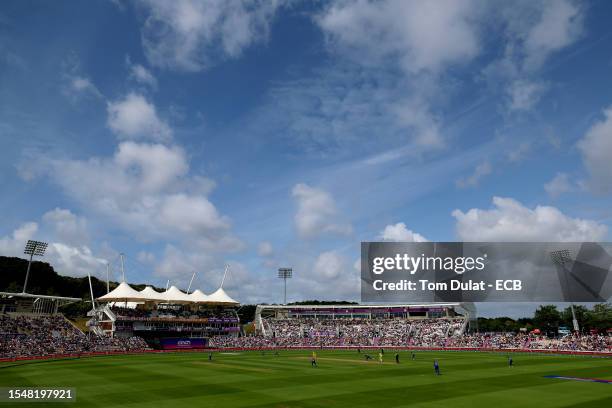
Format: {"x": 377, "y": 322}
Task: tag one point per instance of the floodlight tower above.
{"x": 32, "y": 248}
{"x": 560, "y": 258}
{"x": 284, "y": 274}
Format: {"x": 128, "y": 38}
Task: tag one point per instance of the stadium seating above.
{"x": 38, "y": 336}
{"x": 398, "y": 332}
{"x": 29, "y": 335}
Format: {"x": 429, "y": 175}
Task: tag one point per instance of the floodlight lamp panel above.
{"x": 561, "y": 257}
{"x": 35, "y": 247}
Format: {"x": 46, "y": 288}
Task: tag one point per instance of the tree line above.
{"x": 548, "y": 318}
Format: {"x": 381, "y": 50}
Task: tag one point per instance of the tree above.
{"x": 600, "y": 318}
{"x": 547, "y": 317}
{"x": 246, "y": 313}
{"x": 498, "y": 324}
{"x": 581, "y": 315}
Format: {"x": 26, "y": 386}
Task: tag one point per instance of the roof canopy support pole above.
{"x": 122, "y": 269}
{"x": 224, "y": 274}
{"x": 93, "y": 303}
{"x": 107, "y": 277}
{"x": 190, "y": 282}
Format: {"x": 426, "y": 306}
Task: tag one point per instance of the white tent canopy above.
{"x": 174, "y": 295}
{"x": 199, "y": 297}
{"x": 220, "y": 297}
{"x": 151, "y": 294}
{"x": 123, "y": 293}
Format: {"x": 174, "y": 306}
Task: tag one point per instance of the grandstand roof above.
{"x": 175, "y": 295}
{"x": 220, "y": 297}
{"x": 152, "y": 295}
{"x": 34, "y": 296}
{"x": 199, "y": 297}
{"x": 123, "y": 292}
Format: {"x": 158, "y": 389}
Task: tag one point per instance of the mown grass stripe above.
{"x": 343, "y": 379}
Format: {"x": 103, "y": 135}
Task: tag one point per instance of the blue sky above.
{"x": 188, "y": 134}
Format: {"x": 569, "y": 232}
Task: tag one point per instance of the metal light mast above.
{"x": 284, "y": 274}
{"x": 560, "y": 258}
{"x": 32, "y": 248}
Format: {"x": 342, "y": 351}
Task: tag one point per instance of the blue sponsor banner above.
{"x": 173, "y": 343}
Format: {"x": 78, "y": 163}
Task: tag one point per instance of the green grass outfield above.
{"x": 343, "y": 379}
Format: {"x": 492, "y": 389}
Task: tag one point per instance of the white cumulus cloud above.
{"x": 67, "y": 226}
{"x": 134, "y": 117}
{"x": 400, "y": 233}
{"x": 329, "y": 265}
{"x": 560, "y": 25}
{"x": 14, "y": 244}
{"x": 414, "y": 33}
{"x": 410, "y": 37}
{"x": 75, "y": 260}
{"x": 146, "y": 189}
{"x": 71, "y": 260}
{"x": 317, "y": 213}
{"x": 596, "y": 149}
{"x": 510, "y": 220}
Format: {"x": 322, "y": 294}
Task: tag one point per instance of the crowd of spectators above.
{"x": 24, "y": 336}
{"x": 402, "y": 333}
{"x": 590, "y": 342}
{"x": 348, "y": 332}
{"x": 28, "y": 336}
{"x": 169, "y": 313}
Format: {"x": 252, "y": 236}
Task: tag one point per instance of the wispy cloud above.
{"x": 481, "y": 171}
{"x": 195, "y": 35}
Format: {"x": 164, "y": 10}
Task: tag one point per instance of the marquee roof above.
{"x": 124, "y": 293}
{"x": 175, "y": 295}
{"x": 152, "y": 295}
{"x": 199, "y": 297}
{"x": 220, "y": 297}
